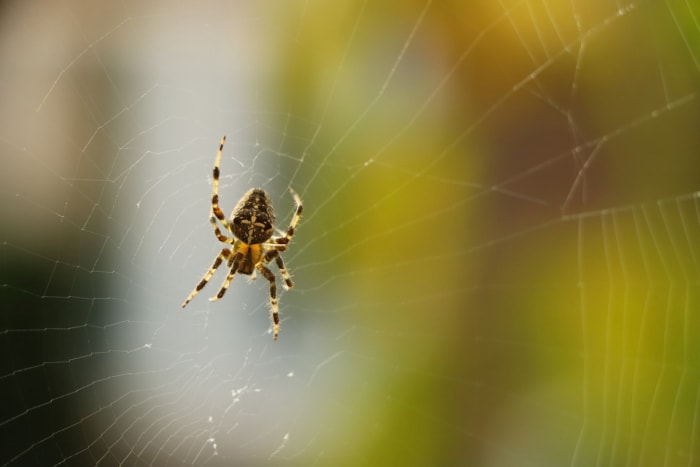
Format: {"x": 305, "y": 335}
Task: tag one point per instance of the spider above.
{"x": 251, "y": 225}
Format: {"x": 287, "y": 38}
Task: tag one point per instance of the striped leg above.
{"x": 233, "y": 263}
{"x": 222, "y": 238}
{"x": 267, "y": 274}
{"x": 293, "y": 224}
{"x": 225, "y": 253}
{"x": 215, "y": 209}
{"x": 288, "y": 284}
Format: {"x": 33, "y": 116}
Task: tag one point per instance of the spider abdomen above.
{"x": 252, "y": 219}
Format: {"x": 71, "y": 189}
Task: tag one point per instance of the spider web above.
{"x": 498, "y": 262}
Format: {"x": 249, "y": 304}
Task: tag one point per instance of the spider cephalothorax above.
{"x": 252, "y": 225}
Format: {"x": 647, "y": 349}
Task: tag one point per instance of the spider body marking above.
{"x": 252, "y": 245}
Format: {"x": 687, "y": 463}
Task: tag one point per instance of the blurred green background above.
{"x": 498, "y": 261}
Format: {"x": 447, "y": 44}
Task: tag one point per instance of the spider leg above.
{"x": 215, "y": 209}
{"x": 221, "y": 237}
{"x": 233, "y": 263}
{"x": 225, "y": 253}
{"x": 267, "y": 274}
{"x": 288, "y": 284}
{"x": 293, "y": 223}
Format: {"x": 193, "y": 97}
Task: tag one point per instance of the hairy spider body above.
{"x": 253, "y": 218}
{"x": 251, "y": 255}
{"x": 251, "y": 225}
